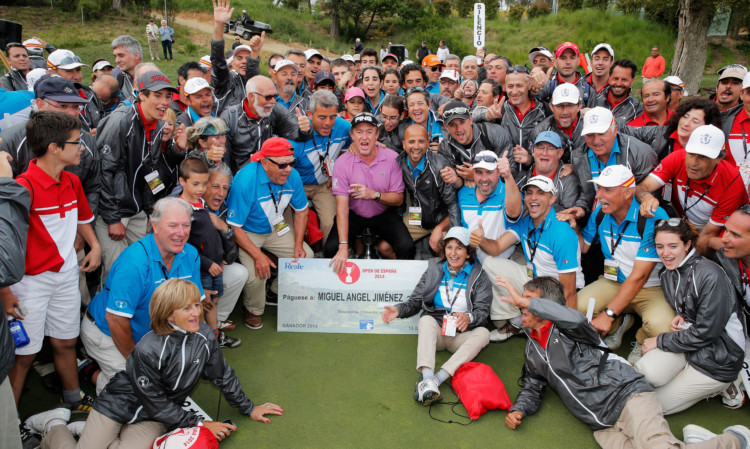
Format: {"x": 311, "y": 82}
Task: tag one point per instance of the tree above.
{"x": 689, "y": 60}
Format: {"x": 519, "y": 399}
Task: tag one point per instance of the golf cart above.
{"x": 246, "y": 27}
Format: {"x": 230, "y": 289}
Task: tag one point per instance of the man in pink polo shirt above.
{"x": 369, "y": 187}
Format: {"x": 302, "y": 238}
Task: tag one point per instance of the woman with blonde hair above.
{"x": 207, "y": 140}
{"x": 143, "y": 401}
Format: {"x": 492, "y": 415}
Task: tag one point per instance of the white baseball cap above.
{"x": 459, "y": 233}
{"x": 285, "y": 63}
{"x": 604, "y": 46}
{"x": 745, "y": 82}
{"x": 566, "y": 93}
{"x": 33, "y": 76}
{"x": 205, "y": 62}
{"x": 676, "y": 81}
{"x": 33, "y": 46}
{"x": 615, "y": 176}
{"x": 543, "y": 182}
{"x": 64, "y": 59}
{"x": 597, "y": 121}
{"x": 240, "y": 48}
{"x": 347, "y": 58}
{"x": 450, "y": 74}
{"x": 196, "y": 84}
{"x": 706, "y": 140}
{"x": 101, "y": 65}
{"x": 312, "y": 52}
{"x": 536, "y": 51}
{"x": 485, "y": 159}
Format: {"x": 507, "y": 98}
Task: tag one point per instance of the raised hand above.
{"x": 256, "y": 43}
{"x": 222, "y": 11}
{"x": 302, "y": 121}
{"x": 477, "y": 235}
{"x": 503, "y": 165}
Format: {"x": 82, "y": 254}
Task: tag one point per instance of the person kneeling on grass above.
{"x": 597, "y": 386}
{"x": 456, "y": 293}
{"x": 143, "y": 401}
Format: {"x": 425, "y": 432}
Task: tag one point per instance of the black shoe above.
{"x": 225, "y": 341}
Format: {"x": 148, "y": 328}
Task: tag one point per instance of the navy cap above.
{"x": 324, "y": 75}
{"x": 365, "y": 117}
{"x": 455, "y": 109}
{"x": 57, "y": 88}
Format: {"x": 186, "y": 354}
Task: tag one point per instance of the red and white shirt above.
{"x": 57, "y": 208}
{"x": 711, "y": 199}
{"x": 739, "y": 148}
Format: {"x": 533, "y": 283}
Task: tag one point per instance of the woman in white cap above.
{"x": 703, "y": 353}
{"x": 454, "y": 296}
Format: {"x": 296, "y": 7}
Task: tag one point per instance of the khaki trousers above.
{"x": 280, "y": 246}
{"x": 464, "y": 346}
{"x": 678, "y": 385}
{"x": 100, "y": 347}
{"x": 324, "y": 203}
{"x": 642, "y": 425}
{"x": 153, "y": 48}
{"x": 516, "y": 274}
{"x": 136, "y": 227}
{"x": 649, "y": 304}
{"x": 102, "y": 432}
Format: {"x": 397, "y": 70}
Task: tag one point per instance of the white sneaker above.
{"x": 427, "y": 391}
{"x": 695, "y": 434}
{"x": 734, "y": 396}
{"x": 504, "y": 334}
{"x": 38, "y": 423}
{"x": 614, "y": 341}
{"x": 76, "y": 427}
{"x": 741, "y": 432}
{"x": 636, "y": 353}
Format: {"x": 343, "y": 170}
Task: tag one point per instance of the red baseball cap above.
{"x": 273, "y": 147}
{"x": 565, "y": 46}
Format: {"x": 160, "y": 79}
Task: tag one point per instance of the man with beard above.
{"x": 199, "y": 96}
{"x": 565, "y": 121}
{"x": 285, "y": 75}
{"x": 616, "y": 97}
{"x": 567, "y": 61}
{"x": 256, "y": 119}
{"x": 602, "y": 57}
{"x": 656, "y": 95}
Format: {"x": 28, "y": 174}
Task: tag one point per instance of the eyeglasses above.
{"x": 64, "y": 106}
{"x": 455, "y": 112}
{"x": 485, "y": 158}
{"x": 77, "y": 143}
{"x": 282, "y": 165}
{"x": 732, "y": 66}
{"x": 436, "y": 68}
{"x": 517, "y": 69}
{"x": 268, "y": 98}
{"x": 671, "y": 222}
{"x": 544, "y": 148}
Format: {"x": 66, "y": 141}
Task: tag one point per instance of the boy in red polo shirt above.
{"x": 47, "y": 299}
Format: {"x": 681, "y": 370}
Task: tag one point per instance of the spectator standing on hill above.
{"x": 654, "y": 65}
{"x": 442, "y": 52}
{"x": 422, "y": 52}
{"x": 152, "y": 33}
{"x": 167, "y": 34}
{"x": 358, "y": 46}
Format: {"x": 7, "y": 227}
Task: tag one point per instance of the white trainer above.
{"x": 38, "y": 423}
{"x": 614, "y": 341}
{"x": 695, "y": 434}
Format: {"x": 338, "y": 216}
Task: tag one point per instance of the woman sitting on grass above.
{"x": 143, "y": 401}
{"x": 454, "y": 296}
{"x": 704, "y": 351}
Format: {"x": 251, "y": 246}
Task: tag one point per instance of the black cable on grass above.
{"x": 453, "y": 409}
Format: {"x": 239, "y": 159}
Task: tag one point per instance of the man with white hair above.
{"x": 128, "y": 54}
{"x": 469, "y": 68}
{"x": 284, "y": 75}
{"x": 258, "y": 118}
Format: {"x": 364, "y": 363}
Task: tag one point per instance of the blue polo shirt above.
{"x": 251, "y": 205}
{"x": 132, "y": 280}
{"x": 433, "y": 88}
{"x": 552, "y": 248}
{"x": 433, "y": 126}
{"x": 453, "y": 290}
{"x": 491, "y": 211}
{"x": 597, "y": 166}
{"x": 286, "y": 104}
{"x": 631, "y": 246}
{"x": 194, "y": 116}
{"x": 308, "y": 153}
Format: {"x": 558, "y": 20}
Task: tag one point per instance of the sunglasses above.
{"x": 282, "y": 165}
{"x": 268, "y": 98}
{"x": 436, "y": 68}
{"x": 517, "y": 69}
{"x": 671, "y": 222}
{"x": 486, "y": 158}
{"x": 454, "y": 112}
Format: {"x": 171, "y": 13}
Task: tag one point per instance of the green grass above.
{"x": 356, "y": 391}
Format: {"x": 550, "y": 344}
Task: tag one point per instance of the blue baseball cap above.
{"x": 549, "y": 137}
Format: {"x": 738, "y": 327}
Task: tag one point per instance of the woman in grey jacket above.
{"x": 454, "y": 296}
{"x": 146, "y": 399}
{"x": 704, "y": 351}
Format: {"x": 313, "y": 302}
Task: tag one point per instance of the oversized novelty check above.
{"x": 312, "y": 298}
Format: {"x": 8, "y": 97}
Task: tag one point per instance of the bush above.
{"x": 442, "y": 8}
{"x": 491, "y": 8}
{"x": 601, "y": 5}
{"x": 464, "y": 7}
{"x": 663, "y": 11}
{"x": 571, "y": 5}
{"x": 515, "y": 12}
{"x": 632, "y": 7}
{"x": 539, "y": 9}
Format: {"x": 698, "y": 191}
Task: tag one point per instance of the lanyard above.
{"x": 532, "y": 248}
{"x": 614, "y": 244}
{"x": 164, "y": 271}
{"x": 687, "y": 195}
{"x": 322, "y": 154}
{"x": 743, "y": 274}
{"x": 447, "y": 294}
{"x": 273, "y": 198}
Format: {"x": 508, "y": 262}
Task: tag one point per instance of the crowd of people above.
{"x": 551, "y": 204}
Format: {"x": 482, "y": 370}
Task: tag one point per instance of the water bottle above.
{"x": 19, "y": 333}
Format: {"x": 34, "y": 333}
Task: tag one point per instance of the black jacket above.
{"x": 701, "y": 293}
{"x": 568, "y": 143}
{"x": 520, "y": 132}
{"x": 625, "y": 111}
{"x": 593, "y": 383}
{"x": 205, "y": 238}
{"x": 161, "y": 372}
{"x": 15, "y": 201}
{"x": 88, "y": 170}
{"x": 436, "y": 197}
{"x": 568, "y": 187}
{"x": 478, "y": 291}
{"x": 126, "y": 159}
{"x": 13, "y": 81}
{"x": 93, "y": 110}
{"x": 497, "y": 137}
{"x": 229, "y": 85}
{"x": 394, "y": 139}
{"x": 732, "y": 269}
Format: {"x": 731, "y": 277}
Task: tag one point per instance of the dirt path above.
{"x": 204, "y": 23}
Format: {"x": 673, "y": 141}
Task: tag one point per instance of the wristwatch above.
{"x": 610, "y": 313}
{"x": 377, "y": 196}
